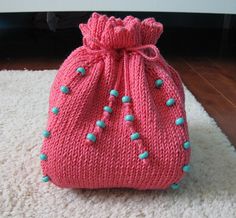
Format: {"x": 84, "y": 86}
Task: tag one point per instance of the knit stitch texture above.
{"x": 96, "y": 137}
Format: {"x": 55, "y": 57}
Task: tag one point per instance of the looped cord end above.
{"x": 140, "y": 50}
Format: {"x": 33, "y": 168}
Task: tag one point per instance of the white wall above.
{"x": 198, "y": 6}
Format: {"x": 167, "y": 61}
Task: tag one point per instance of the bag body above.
{"x": 116, "y": 112}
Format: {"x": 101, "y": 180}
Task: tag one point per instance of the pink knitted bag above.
{"x": 116, "y": 111}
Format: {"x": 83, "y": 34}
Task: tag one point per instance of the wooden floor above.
{"x": 211, "y": 80}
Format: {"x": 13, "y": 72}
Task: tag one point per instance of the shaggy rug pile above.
{"x": 208, "y": 191}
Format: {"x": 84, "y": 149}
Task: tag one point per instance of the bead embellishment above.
{"x": 179, "y": 121}
{"x": 46, "y": 133}
{"x": 81, "y": 70}
{"x": 175, "y": 186}
{"x": 126, "y": 99}
{"x": 143, "y": 155}
{"x": 91, "y": 137}
{"x": 113, "y": 92}
{"x": 55, "y": 110}
{"x": 186, "y": 145}
{"x": 170, "y": 102}
{"x": 101, "y": 124}
{"x": 129, "y": 118}
{"x": 134, "y": 136}
{"x": 186, "y": 168}
{"x": 158, "y": 83}
{"x": 64, "y": 89}
{"x": 45, "y": 179}
{"x": 43, "y": 157}
{"x": 107, "y": 109}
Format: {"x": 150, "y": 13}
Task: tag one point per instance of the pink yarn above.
{"x": 148, "y": 152}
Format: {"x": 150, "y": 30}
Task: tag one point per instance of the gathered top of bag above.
{"x": 115, "y": 33}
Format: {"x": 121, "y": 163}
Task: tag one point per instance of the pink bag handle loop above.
{"x": 140, "y": 50}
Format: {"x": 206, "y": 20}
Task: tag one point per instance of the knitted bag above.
{"x": 116, "y": 111}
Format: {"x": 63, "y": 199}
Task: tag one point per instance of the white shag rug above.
{"x": 208, "y": 191}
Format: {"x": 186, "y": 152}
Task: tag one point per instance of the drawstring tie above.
{"x": 123, "y": 70}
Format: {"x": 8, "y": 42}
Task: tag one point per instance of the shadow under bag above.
{"x": 116, "y": 112}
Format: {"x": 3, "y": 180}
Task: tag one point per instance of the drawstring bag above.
{"x": 116, "y": 111}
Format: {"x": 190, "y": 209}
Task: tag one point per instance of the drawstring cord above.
{"x": 139, "y": 50}
{"x": 129, "y": 113}
{"x": 134, "y": 135}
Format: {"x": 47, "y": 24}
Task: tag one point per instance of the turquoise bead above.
{"x": 45, "y": 179}
{"x": 55, "y": 110}
{"x": 186, "y": 144}
{"x": 175, "y": 186}
{"x": 186, "y": 168}
{"x": 64, "y": 89}
{"x": 107, "y": 109}
{"x": 101, "y": 124}
{"x": 80, "y": 70}
{"x": 129, "y": 118}
{"x": 43, "y": 157}
{"x": 135, "y": 136}
{"x": 179, "y": 121}
{"x": 46, "y": 133}
{"x": 114, "y": 93}
{"x": 143, "y": 155}
{"x": 126, "y": 99}
{"x": 170, "y": 102}
{"x": 158, "y": 83}
{"x": 91, "y": 137}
